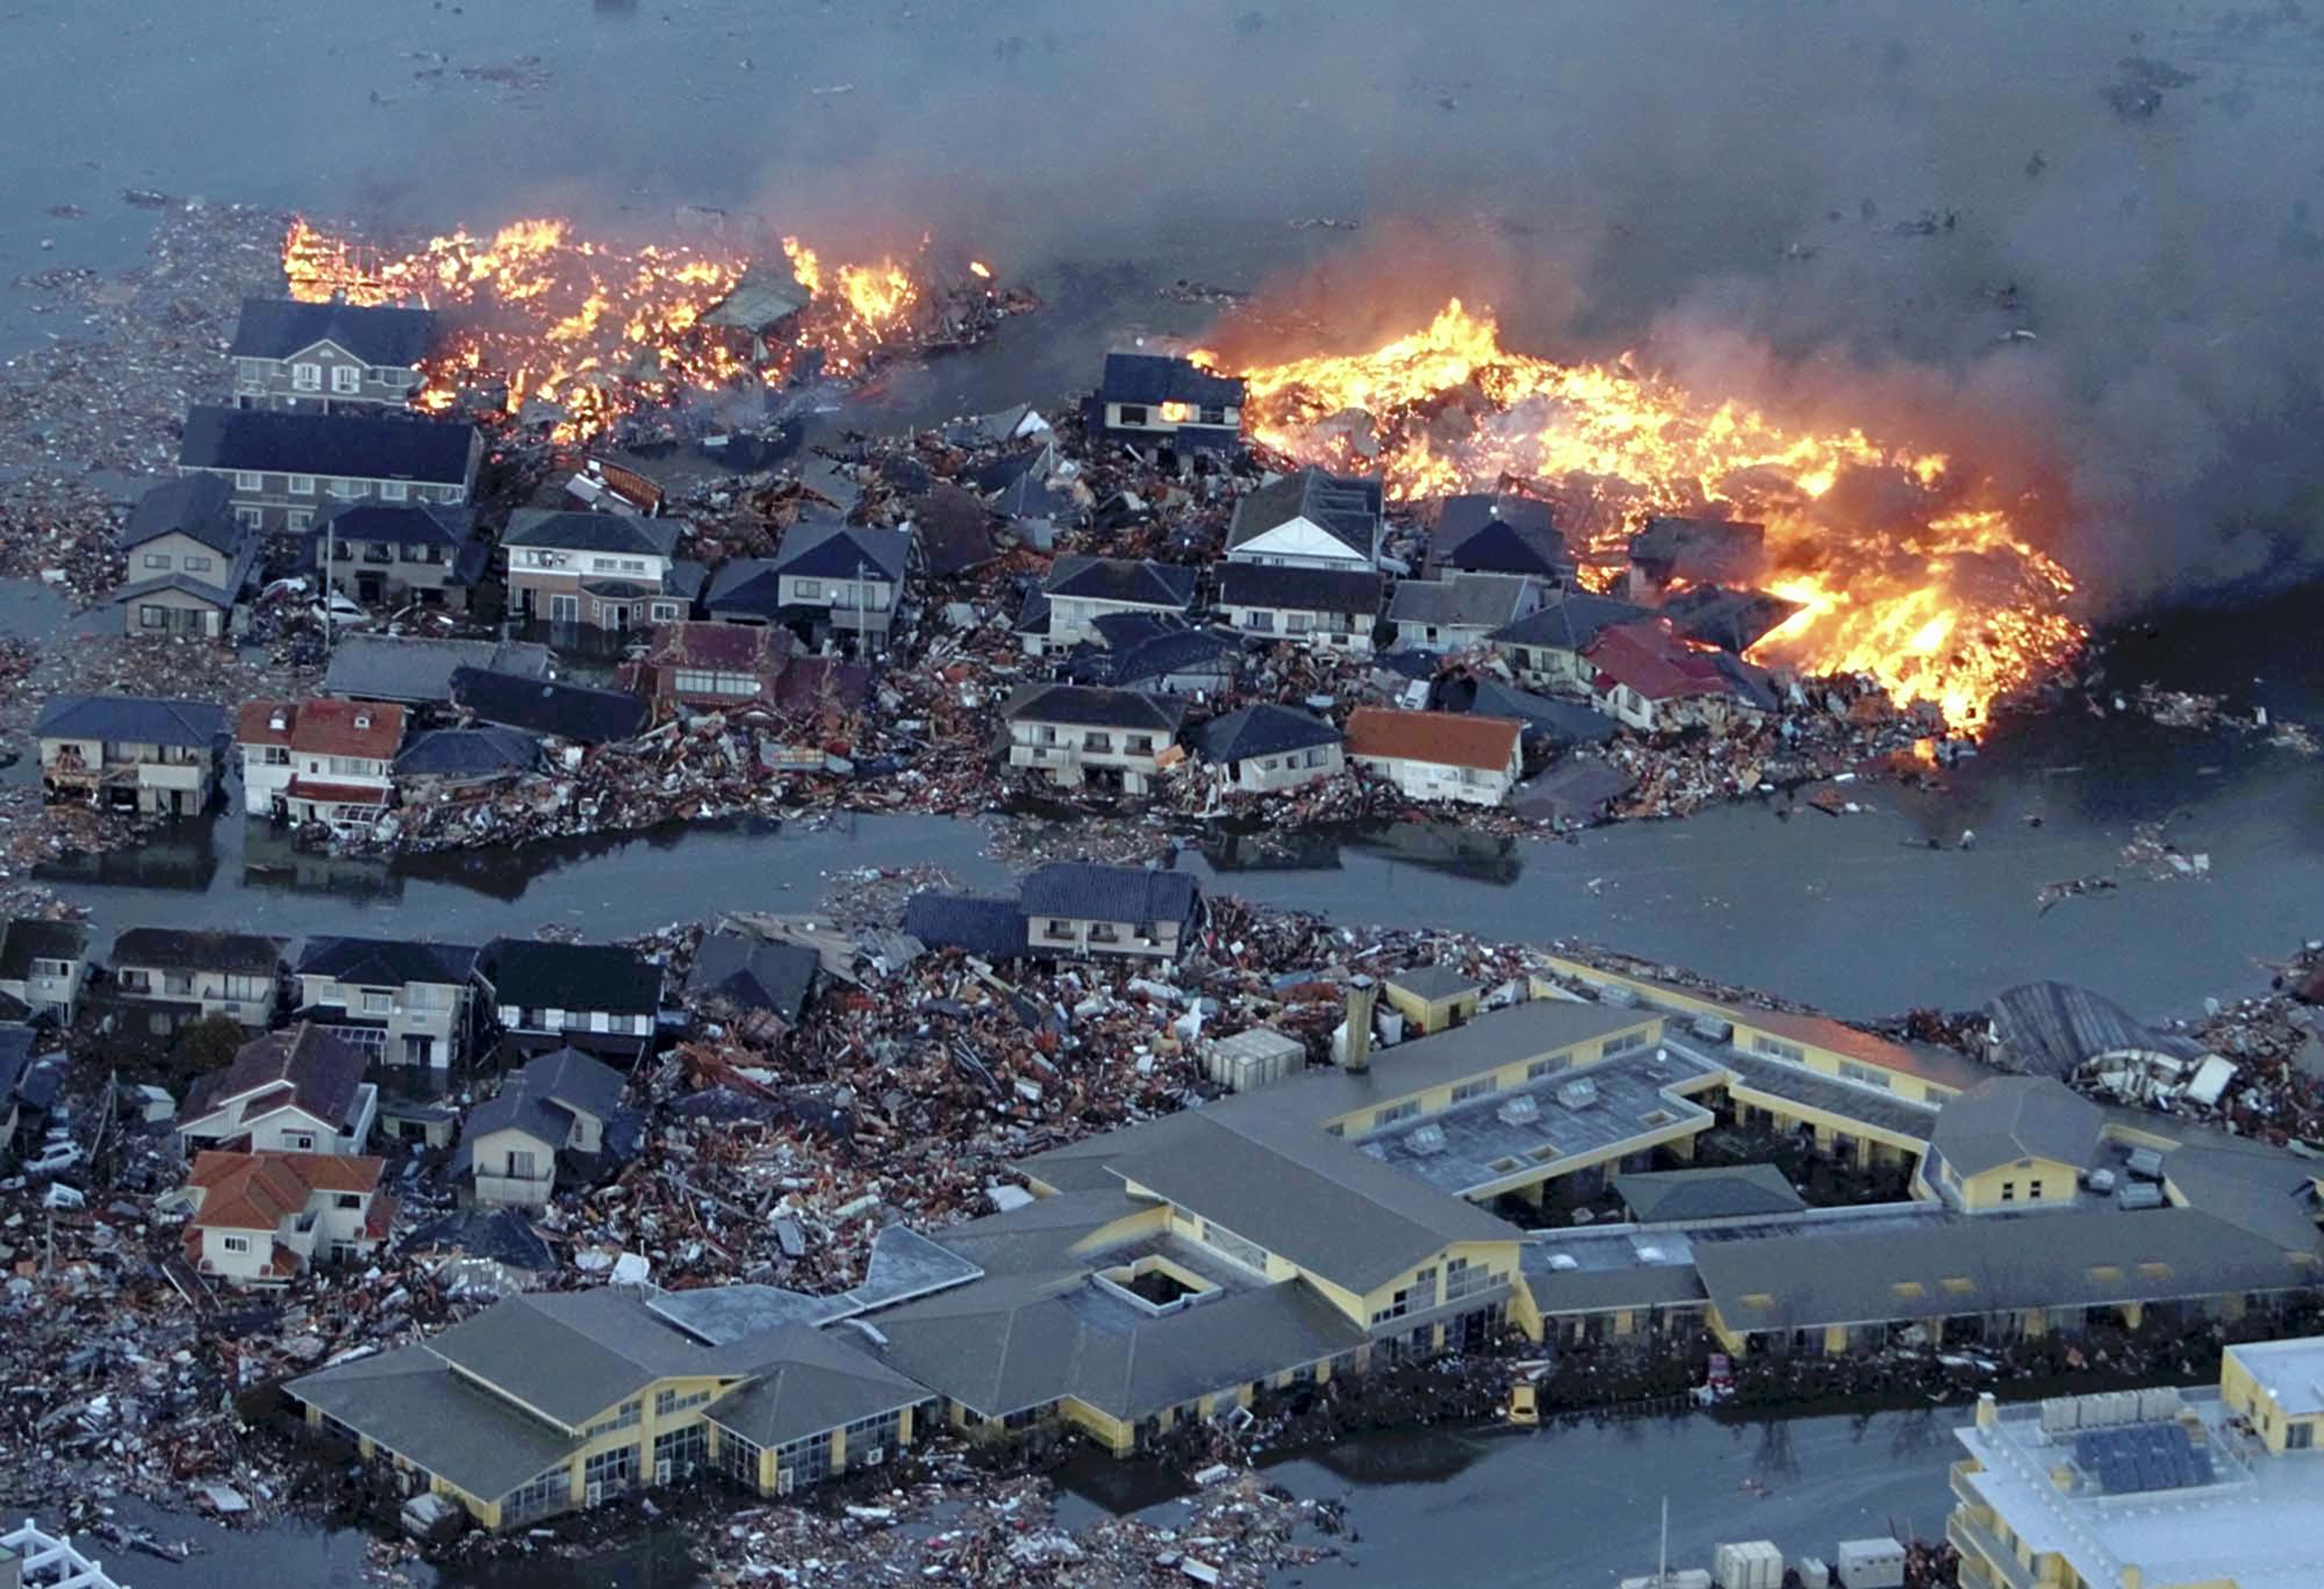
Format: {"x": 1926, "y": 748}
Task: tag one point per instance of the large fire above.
{"x": 1961, "y": 611}
{"x": 588, "y": 332}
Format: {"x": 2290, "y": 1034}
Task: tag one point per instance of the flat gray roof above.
{"x": 411, "y": 1401}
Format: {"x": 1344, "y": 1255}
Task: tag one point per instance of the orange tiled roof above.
{"x": 258, "y": 1191}
{"x": 1448, "y": 739}
{"x": 324, "y": 727}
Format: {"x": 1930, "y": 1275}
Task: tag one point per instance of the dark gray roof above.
{"x": 989, "y": 927}
{"x": 1306, "y": 590}
{"x": 1498, "y": 534}
{"x": 196, "y": 505}
{"x": 813, "y": 1380}
{"x": 1733, "y": 621}
{"x": 241, "y": 953}
{"x": 542, "y": 706}
{"x": 574, "y": 1354}
{"x": 321, "y": 1070}
{"x": 1568, "y": 620}
{"x": 1263, "y": 729}
{"x": 399, "y": 523}
{"x": 29, "y": 938}
{"x": 623, "y": 533}
{"x": 1153, "y": 378}
{"x": 218, "y": 594}
{"x": 516, "y": 1108}
{"x": 1346, "y": 507}
{"x": 2053, "y": 1029}
{"x": 16, "y": 1055}
{"x": 744, "y": 584}
{"x": 2012, "y": 1118}
{"x": 1469, "y": 600}
{"x": 566, "y": 1076}
{"x": 1575, "y": 790}
{"x": 1086, "y": 891}
{"x": 140, "y": 720}
{"x": 1725, "y": 1192}
{"x": 409, "y": 1402}
{"x": 1170, "y": 653}
{"x": 347, "y": 446}
{"x": 536, "y": 973}
{"x": 1700, "y": 550}
{"x": 391, "y": 667}
{"x": 753, "y": 973}
{"x": 1087, "y": 706}
{"x": 824, "y": 550}
{"x": 476, "y": 752}
{"x": 1122, "y": 579}
{"x": 504, "y": 1236}
{"x": 378, "y": 335}
{"x": 1564, "y": 722}
{"x": 1433, "y": 982}
{"x": 386, "y": 962}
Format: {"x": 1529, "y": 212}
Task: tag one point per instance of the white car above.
{"x": 338, "y": 611}
{"x": 55, "y": 1159}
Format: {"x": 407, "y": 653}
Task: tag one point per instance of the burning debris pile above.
{"x": 1962, "y": 611}
{"x": 545, "y": 325}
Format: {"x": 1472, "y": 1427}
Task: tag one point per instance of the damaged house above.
{"x": 600, "y": 997}
{"x": 1263, "y": 748}
{"x": 759, "y": 987}
{"x": 2069, "y": 1034}
{"x": 319, "y": 760}
{"x": 328, "y": 358}
{"x": 295, "y": 1092}
{"x": 130, "y": 752}
{"x": 578, "y": 714}
{"x": 1674, "y": 551}
{"x": 1457, "y": 613}
{"x": 463, "y": 764}
{"x": 1650, "y": 679}
{"x": 260, "y": 1218}
{"x": 1151, "y": 403}
{"x": 1077, "y": 735}
{"x": 190, "y": 560}
{"x": 607, "y": 572}
{"x": 1499, "y": 533}
{"x": 1310, "y": 519}
{"x": 164, "y": 977}
{"x": 43, "y": 965}
{"x": 836, "y": 584}
{"x": 400, "y": 554}
{"x": 553, "y": 1111}
{"x": 1334, "y": 608}
{"x": 1079, "y": 591}
{"x": 1080, "y": 909}
{"x": 1439, "y": 755}
{"x": 698, "y": 667}
{"x": 1546, "y": 649}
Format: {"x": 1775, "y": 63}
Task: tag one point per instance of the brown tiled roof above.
{"x": 1448, "y": 739}
{"x": 324, "y": 727}
{"x": 323, "y": 1071}
{"x": 1647, "y": 656}
{"x": 258, "y": 1191}
{"x": 744, "y": 647}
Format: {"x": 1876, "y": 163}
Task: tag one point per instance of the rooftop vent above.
{"x": 1712, "y": 1029}
{"x": 1519, "y": 1109}
{"x": 1578, "y": 1094}
{"x": 1563, "y": 1261}
{"x": 1428, "y": 1139}
{"x": 278, "y": 719}
{"x": 363, "y": 720}
{"x": 2139, "y": 1194}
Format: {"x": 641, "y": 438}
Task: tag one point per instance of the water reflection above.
{"x": 273, "y": 859}
{"x": 1415, "y": 1456}
{"x": 1447, "y": 848}
{"x": 181, "y": 856}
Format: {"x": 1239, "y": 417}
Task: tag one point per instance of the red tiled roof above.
{"x": 337, "y": 794}
{"x": 1654, "y": 662}
{"x": 258, "y": 1191}
{"x": 324, "y": 727}
{"x": 1448, "y": 738}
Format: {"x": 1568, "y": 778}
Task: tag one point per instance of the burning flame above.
{"x": 594, "y": 330}
{"x": 1960, "y": 611}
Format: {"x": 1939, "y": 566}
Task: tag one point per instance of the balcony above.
{"x": 1981, "y": 1549}
{"x": 1957, "y": 1480}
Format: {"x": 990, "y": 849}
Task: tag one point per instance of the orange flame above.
{"x": 1961, "y": 612}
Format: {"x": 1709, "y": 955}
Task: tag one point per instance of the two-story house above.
{"x": 1545, "y": 648}
{"x": 599, "y": 997}
{"x": 1263, "y": 748}
{"x": 1439, "y": 755}
{"x": 557, "y": 1106}
{"x": 130, "y": 752}
{"x": 1457, "y": 611}
{"x": 1082, "y": 909}
{"x": 1079, "y": 734}
{"x": 1309, "y": 518}
{"x": 1498, "y": 532}
{"x": 698, "y": 667}
{"x": 1334, "y": 608}
{"x": 605, "y": 571}
{"x": 1151, "y": 401}
{"x": 397, "y": 1001}
{"x": 836, "y": 583}
{"x": 43, "y": 965}
{"x": 168, "y": 977}
{"x": 296, "y": 1091}
{"x": 286, "y": 469}
{"x": 319, "y": 760}
{"x": 1647, "y": 676}
{"x": 1079, "y": 591}
{"x": 393, "y": 554}
{"x": 190, "y": 560}
{"x": 328, "y": 358}
{"x": 261, "y": 1219}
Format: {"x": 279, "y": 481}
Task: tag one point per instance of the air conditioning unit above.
{"x": 785, "y": 1482}
{"x": 1578, "y": 1094}
{"x": 875, "y": 1456}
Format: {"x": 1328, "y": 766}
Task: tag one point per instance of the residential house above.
{"x": 511, "y": 1145}
{"x": 1264, "y": 747}
{"x": 986, "y": 925}
{"x": 301, "y": 1090}
{"x": 1650, "y": 679}
{"x": 400, "y": 553}
{"x": 130, "y": 752}
{"x": 613, "y": 572}
{"x": 398, "y": 1001}
{"x": 43, "y": 965}
{"x": 411, "y": 672}
{"x": 1545, "y": 648}
{"x": 1550, "y": 723}
{"x": 29, "y": 1088}
{"x": 190, "y": 560}
{"x": 166, "y": 976}
{"x": 1080, "y": 909}
{"x": 458, "y": 765}
{"x": 286, "y": 468}
{"x": 260, "y": 1218}
{"x": 1671, "y": 550}
{"x": 1499, "y": 533}
{"x": 579, "y": 714}
{"x": 757, "y": 319}
{"x": 760, "y": 987}
{"x": 597, "y": 996}
{"x": 699, "y": 667}
{"x": 1309, "y": 518}
{"x": 1334, "y": 607}
{"x": 319, "y": 760}
{"x": 1438, "y": 755}
{"x": 1163, "y": 657}
{"x": 1457, "y": 613}
{"x": 838, "y": 583}
{"x": 1733, "y": 621}
{"x": 1078, "y": 735}
{"x": 1081, "y": 590}
{"x": 1434, "y": 998}
{"x": 329, "y": 358}
{"x": 1151, "y": 401}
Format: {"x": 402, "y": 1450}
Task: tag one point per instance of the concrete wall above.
{"x": 1289, "y": 770}
{"x": 1429, "y": 780}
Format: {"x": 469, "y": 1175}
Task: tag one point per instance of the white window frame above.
{"x": 394, "y": 491}
{"x": 302, "y": 518}
{"x": 306, "y": 377}
{"x": 235, "y": 1243}
{"x": 157, "y": 559}
{"x": 347, "y": 379}
{"x": 302, "y": 485}
{"x": 246, "y": 480}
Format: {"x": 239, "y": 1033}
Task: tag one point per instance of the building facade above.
{"x": 1439, "y": 755}
{"x": 285, "y": 469}
{"x": 327, "y": 357}
{"x": 130, "y": 752}
{"x": 1077, "y": 735}
{"x": 260, "y": 1218}
{"x": 319, "y": 760}
{"x": 1335, "y": 609}
{"x": 605, "y": 571}
{"x": 167, "y": 977}
{"x": 400, "y": 1003}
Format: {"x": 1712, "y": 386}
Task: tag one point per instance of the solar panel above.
{"x": 2141, "y": 1457}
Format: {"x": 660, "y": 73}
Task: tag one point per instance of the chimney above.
{"x": 1359, "y": 1059}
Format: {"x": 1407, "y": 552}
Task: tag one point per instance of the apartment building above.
{"x": 285, "y": 469}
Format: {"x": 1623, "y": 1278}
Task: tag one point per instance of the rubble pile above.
{"x": 2276, "y": 1043}
{"x": 2187, "y": 709}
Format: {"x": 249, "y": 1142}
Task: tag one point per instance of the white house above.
{"x": 1265, "y": 747}
{"x": 169, "y": 976}
{"x": 559, "y": 1103}
{"x": 1458, "y": 612}
{"x": 43, "y": 966}
{"x": 258, "y": 1218}
{"x": 1439, "y": 755}
{"x": 1309, "y": 519}
{"x": 1080, "y": 734}
{"x": 319, "y": 760}
{"x": 1079, "y": 591}
{"x": 296, "y": 1091}
{"x": 1329, "y": 608}
{"x": 402, "y": 1002}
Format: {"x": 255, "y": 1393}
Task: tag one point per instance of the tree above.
{"x": 206, "y": 1045}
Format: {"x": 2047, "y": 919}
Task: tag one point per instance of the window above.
{"x": 1261, "y": 622}
{"x": 248, "y": 988}
{"x": 2009, "y": 1192}
{"x": 609, "y": 1473}
{"x": 1541, "y": 1068}
{"x": 1133, "y": 413}
{"x": 346, "y": 378}
{"x": 551, "y": 1491}
{"x": 306, "y": 377}
{"x": 301, "y": 517}
{"x": 1417, "y": 1297}
{"x": 628, "y": 1414}
{"x": 1775, "y": 1048}
{"x": 235, "y": 1243}
{"x": 1296, "y": 622}
{"x": 157, "y": 559}
{"x": 394, "y": 491}
{"x": 302, "y": 485}
{"x": 300, "y": 1142}
{"x": 843, "y": 596}
{"x": 1213, "y": 414}
{"x": 1477, "y": 1088}
{"x": 807, "y": 1461}
{"x": 1464, "y": 1278}
{"x": 519, "y": 1164}
{"x": 376, "y": 1002}
{"x": 348, "y": 1200}
{"x": 809, "y": 590}
{"x": 249, "y": 517}
{"x": 1247, "y": 1254}
{"x": 180, "y": 982}
{"x": 253, "y": 370}
{"x": 1622, "y": 1044}
{"x": 197, "y": 565}
{"x": 151, "y": 616}
{"x": 1141, "y": 743}
{"x": 1395, "y": 1112}
{"x": 1865, "y": 1075}
{"x": 2032, "y": 1191}
{"x": 668, "y": 1401}
{"x": 666, "y": 613}
{"x": 1096, "y": 742}
{"x": 738, "y": 1458}
{"x": 2298, "y": 1436}
{"x": 245, "y": 480}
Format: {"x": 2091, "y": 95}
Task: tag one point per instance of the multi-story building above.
{"x": 393, "y": 554}
{"x": 319, "y": 760}
{"x": 397, "y": 1001}
{"x": 1078, "y": 734}
{"x": 838, "y": 583}
{"x": 130, "y": 752}
{"x": 190, "y": 560}
{"x": 328, "y": 358}
{"x": 1546, "y": 647}
{"x": 260, "y": 1218}
{"x": 1490, "y": 533}
{"x": 166, "y": 976}
{"x": 1151, "y": 401}
{"x": 600, "y": 997}
{"x": 1457, "y": 611}
{"x": 1336, "y": 608}
{"x": 1310, "y": 519}
{"x": 1079, "y": 591}
{"x": 1439, "y": 755}
{"x": 296, "y": 1091}
{"x": 43, "y": 965}
{"x": 1079, "y": 909}
{"x": 286, "y": 469}
{"x": 612, "y": 572}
